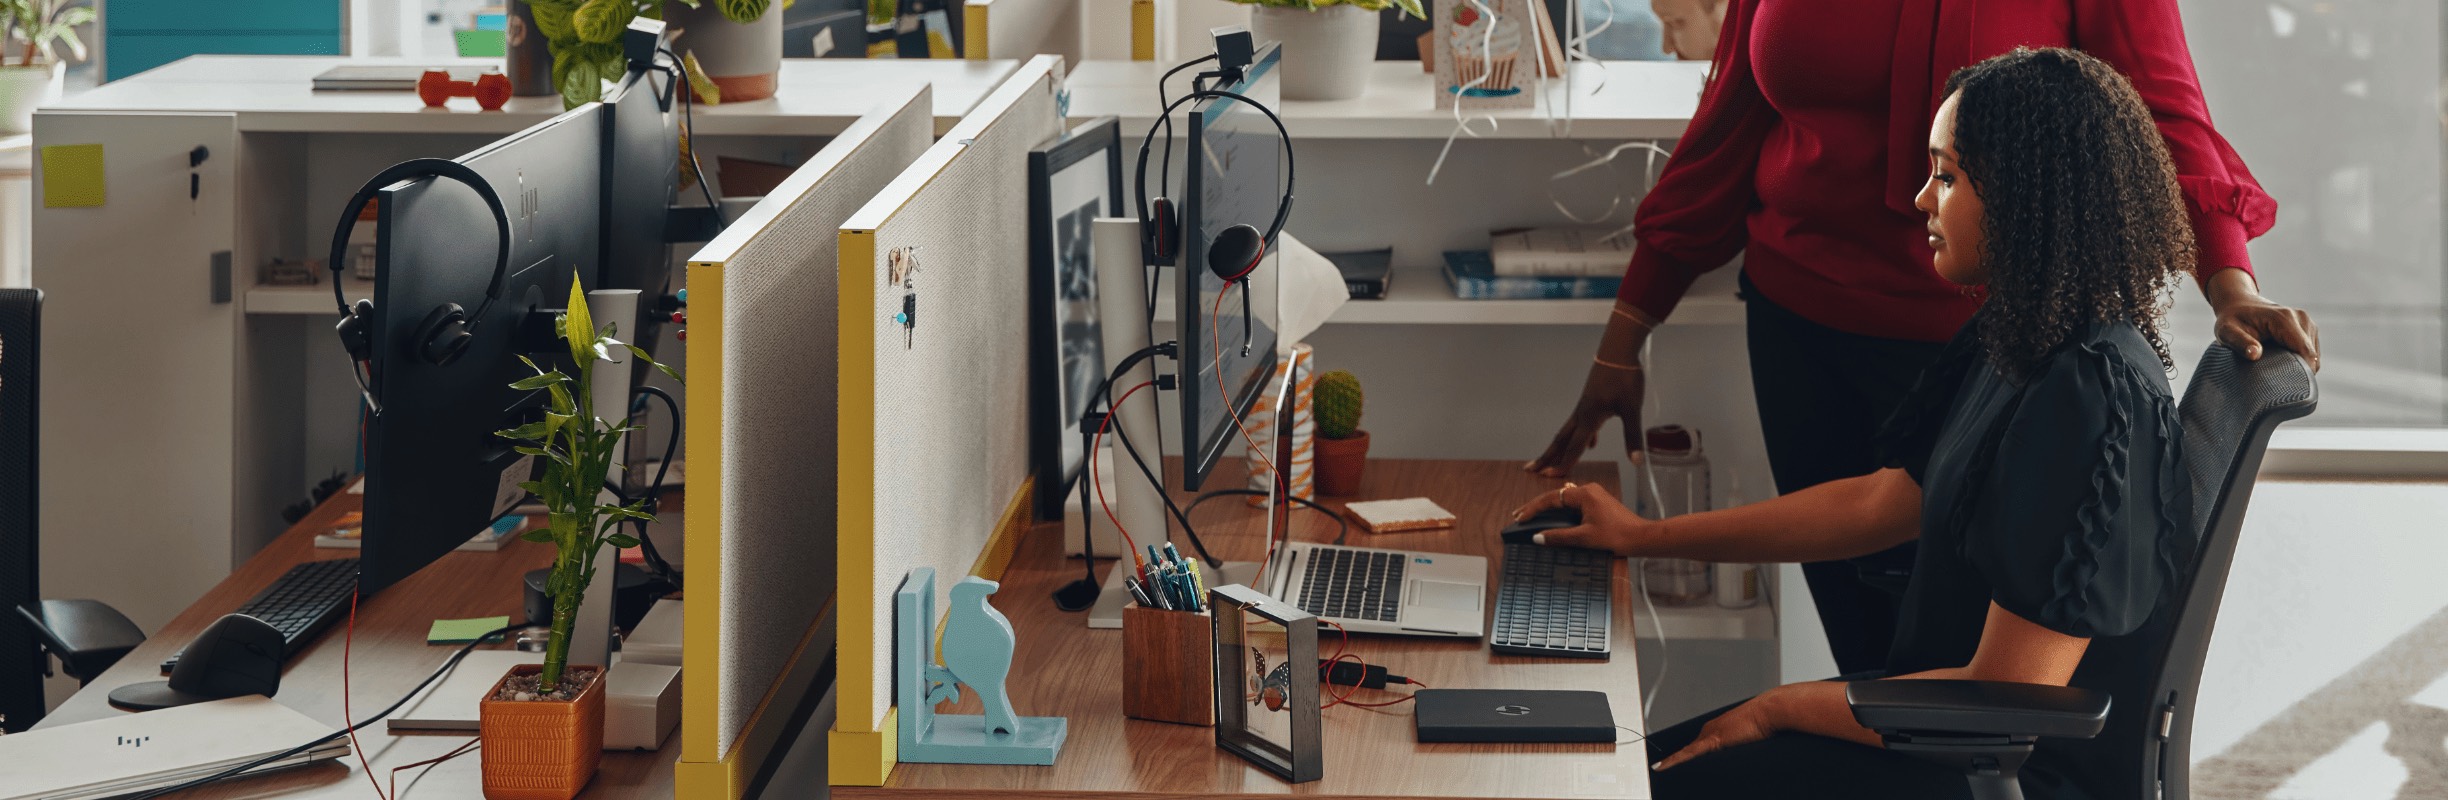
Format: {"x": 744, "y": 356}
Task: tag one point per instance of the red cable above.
{"x": 1099, "y": 444}
{"x": 348, "y": 643}
{"x": 1216, "y": 336}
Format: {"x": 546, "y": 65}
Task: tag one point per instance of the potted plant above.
{"x": 36, "y": 29}
{"x": 1342, "y": 448}
{"x": 733, "y": 47}
{"x": 1329, "y": 46}
{"x": 542, "y": 725}
{"x": 584, "y": 37}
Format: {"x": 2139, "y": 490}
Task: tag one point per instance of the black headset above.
{"x": 446, "y": 330}
{"x": 1236, "y": 250}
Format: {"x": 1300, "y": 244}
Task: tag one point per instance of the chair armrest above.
{"x": 88, "y": 636}
{"x": 1977, "y": 707}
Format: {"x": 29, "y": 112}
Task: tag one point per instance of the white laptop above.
{"x": 1374, "y": 590}
{"x": 129, "y": 753}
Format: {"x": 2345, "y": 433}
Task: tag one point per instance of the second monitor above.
{"x": 1234, "y": 173}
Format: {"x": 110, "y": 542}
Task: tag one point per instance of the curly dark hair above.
{"x": 2083, "y": 220}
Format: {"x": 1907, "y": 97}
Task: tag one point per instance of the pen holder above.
{"x": 1168, "y": 665}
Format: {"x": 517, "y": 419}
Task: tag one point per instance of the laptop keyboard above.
{"x": 1353, "y": 584}
{"x": 1554, "y": 602}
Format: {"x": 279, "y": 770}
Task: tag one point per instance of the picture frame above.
{"x": 1488, "y": 54}
{"x": 1267, "y": 707}
{"x": 1073, "y": 180}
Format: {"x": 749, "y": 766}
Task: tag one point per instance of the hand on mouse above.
{"x": 1605, "y": 523}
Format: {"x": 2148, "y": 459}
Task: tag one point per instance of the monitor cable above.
{"x": 293, "y": 752}
{"x": 1342, "y": 532}
{"x": 654, "y": 491}
{"x": 678, "y": 72}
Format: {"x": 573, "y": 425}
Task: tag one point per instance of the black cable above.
{"x": 291, "y": 752}
{"x": 688, "y": 119}
{"x": 1165, "y": 176}
{"x": 654, "y": 494}
{"x": 1343, "y": 522}
{"x": 1105, "y": 391}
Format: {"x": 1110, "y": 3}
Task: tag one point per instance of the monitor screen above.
{"x": 1235, "y": 178}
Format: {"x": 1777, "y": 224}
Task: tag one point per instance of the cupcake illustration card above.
{"x": 1486, "y": 53}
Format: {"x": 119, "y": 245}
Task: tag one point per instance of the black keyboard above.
{"x": 1554, "y": 602}
{"x": 301, "y": 604}
{"x": 1353, "y": 584}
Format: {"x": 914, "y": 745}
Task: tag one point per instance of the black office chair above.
{"x": 87, "y": 635}
{"x": 1987, "y": 729}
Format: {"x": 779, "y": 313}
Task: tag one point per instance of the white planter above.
{"x": 1327, "y": 53}
{"x": 22, "y": 89}
{"x": 745, "y": 60}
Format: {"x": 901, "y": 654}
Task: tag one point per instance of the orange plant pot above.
{"x": 1340, "y": 463}
{"x": 541, "y": 749}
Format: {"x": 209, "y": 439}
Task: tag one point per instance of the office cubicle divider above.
{"x": 934, "y": 451}
{"x": 759, "y": 614}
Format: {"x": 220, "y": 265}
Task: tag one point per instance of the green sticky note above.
{"x": 481, "y": 44}
{"x": 72, "y": 176}
{"x": 463, "y": 631}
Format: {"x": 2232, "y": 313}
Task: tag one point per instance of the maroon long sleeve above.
{"x": 1807, "y": 149}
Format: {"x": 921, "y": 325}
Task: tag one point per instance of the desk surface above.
{"x": 1072, "y": 671}
{"x": 391, "y": 657}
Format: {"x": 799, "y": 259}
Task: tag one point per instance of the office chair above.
{"x": 87, "y": 635}
{"x": 1987, "y": 728}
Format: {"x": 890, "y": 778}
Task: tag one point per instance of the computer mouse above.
{"x": 1541, "y": 522}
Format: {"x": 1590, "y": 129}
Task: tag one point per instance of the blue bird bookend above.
{"x": 977, "y": 653}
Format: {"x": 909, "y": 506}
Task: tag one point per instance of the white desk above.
{"x": 225, "y": 412}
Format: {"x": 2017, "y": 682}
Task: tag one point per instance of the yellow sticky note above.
{"x": 72, "y": 176}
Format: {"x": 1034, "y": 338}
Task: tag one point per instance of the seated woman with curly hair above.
{"x": 2037, "y": 460}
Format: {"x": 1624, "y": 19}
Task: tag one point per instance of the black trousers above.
{"x": 1796, "y": 765}
{"x": 1823, "y": 394}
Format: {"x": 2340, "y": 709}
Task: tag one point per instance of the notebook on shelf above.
{"x": 1473, "y": 277}
{"x": 1366, "y": 273}
{"x": 383, "y": 77}
{"x": 1559, "y": 252}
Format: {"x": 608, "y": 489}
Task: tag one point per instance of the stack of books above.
{"x": 1540, "y": 264}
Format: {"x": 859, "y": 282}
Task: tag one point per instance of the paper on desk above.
{"x": 1308, "y": 290}
{"x": 72, "y": 176}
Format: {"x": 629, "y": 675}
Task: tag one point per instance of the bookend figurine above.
{"x": 977, "y": 652}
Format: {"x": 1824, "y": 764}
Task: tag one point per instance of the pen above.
{"x": 1138, "y": 594}
{"x": 1198, "y": 580}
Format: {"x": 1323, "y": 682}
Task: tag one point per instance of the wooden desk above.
{"x": 1063, "y": 668}
{"x": 391, "y": 657}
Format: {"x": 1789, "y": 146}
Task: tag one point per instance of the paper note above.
{"x": 462, "y": 631}
{"x": 72, "y": 176}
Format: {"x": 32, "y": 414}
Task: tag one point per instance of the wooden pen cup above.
{"x": 1168, "y": 665}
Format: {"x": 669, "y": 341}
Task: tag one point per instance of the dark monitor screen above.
{"x": 1235, "y": 177}
{"x": 641, "y": 170}
{"x": 435, "y": 473}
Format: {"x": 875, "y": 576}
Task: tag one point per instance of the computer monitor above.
{"x": 435, "y": 472}
{"x": 1235, "y": 178}
{"x": 641, "y": 171}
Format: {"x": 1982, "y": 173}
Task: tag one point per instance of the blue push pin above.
{"x": 684, "y": 297}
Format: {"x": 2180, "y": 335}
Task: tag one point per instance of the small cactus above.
{"x": 1338, "y": 405}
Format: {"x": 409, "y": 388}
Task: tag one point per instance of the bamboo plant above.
{"x": 578, "y": 448}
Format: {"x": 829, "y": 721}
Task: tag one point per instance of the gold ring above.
{"x": 1560, "y": 492}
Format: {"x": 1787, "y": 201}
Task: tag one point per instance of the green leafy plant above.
{"x": 584, "y": 37}
{"x": 1337, "y": 400}
{"x": 577, "y": 450}
{"x": 1410, "y": 7}
{"x": 43, "y": 25}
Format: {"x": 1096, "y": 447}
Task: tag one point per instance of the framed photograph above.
{"x": 1073, "y": 180}
{"x": 1265, "y": 687}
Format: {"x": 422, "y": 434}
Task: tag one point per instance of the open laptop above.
{"x": 1369, "y": 589}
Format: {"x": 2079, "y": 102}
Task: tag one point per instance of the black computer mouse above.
{"x": 1542, "y": 522}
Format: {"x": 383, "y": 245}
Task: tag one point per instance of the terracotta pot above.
{"x": 1340, "y": 462}
{"x": 541, "y": 749}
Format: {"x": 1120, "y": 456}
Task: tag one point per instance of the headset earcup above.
{"x": 1164, "y": 233}
{"x": 357, "y": 331}
{"x": 444, "y": 335}
{"x": 1233, "y": 252}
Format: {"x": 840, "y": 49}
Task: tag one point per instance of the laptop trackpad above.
{"x": 1444, "y": 596}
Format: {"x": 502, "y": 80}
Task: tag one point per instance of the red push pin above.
{"x": 491, "y": 90}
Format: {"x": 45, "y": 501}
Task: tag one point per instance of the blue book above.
{"x": 1473, "y": 277}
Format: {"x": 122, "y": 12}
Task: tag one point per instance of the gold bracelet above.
{"x": 1605, "y": 363}
{"x": 1637, "y": 318}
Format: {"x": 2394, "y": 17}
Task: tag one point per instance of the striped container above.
{"x": 1262, "y": 424}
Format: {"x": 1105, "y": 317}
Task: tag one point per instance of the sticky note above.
{"x": 72, "y": 176}
{"x": 463, "y": 631}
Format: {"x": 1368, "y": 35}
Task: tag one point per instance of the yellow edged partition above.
{"x": 761, "y": 609}
{"x": 933, "y": 458}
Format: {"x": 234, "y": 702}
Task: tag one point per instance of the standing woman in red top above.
{"x": 1804, "y": 157}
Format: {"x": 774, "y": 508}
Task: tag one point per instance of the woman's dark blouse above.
{"x": 2060, "y": 497}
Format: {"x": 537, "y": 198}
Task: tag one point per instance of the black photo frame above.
{"x": 1247, "y": 684}
{"x": 1066, "y": 348}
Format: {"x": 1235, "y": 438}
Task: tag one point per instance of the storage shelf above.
{"x": 310, "y": 299}
{"x": 1613, "y": 100}
{"x": 1419, "y": 296}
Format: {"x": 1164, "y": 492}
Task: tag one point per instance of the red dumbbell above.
{"x": 491, "y": 90}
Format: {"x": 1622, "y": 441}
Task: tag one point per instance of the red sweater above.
{"x": 1808, "y": 148}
